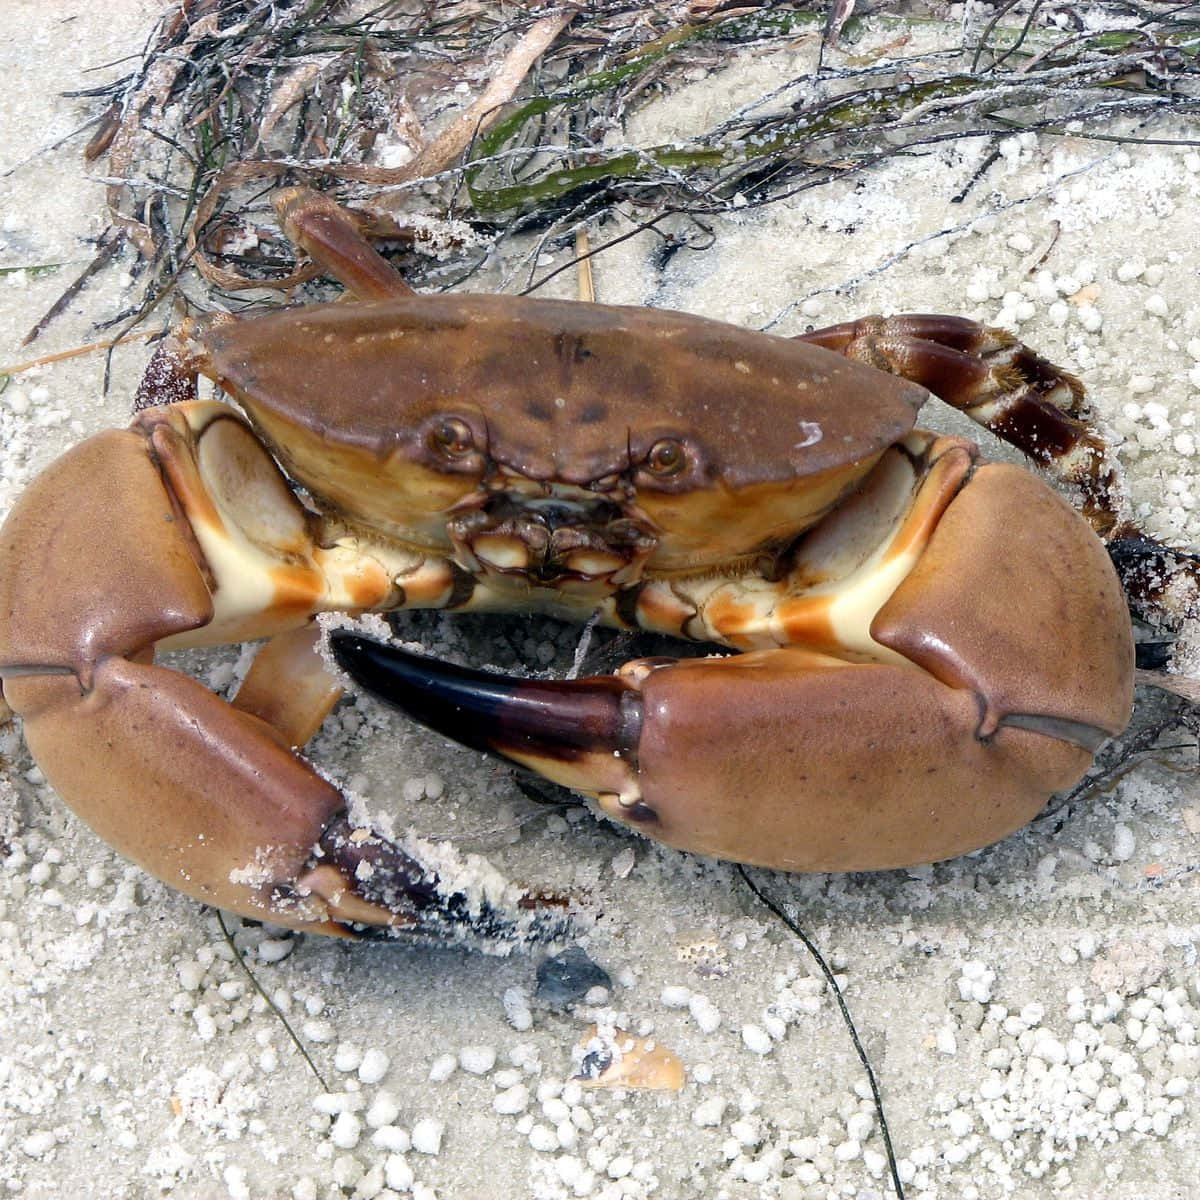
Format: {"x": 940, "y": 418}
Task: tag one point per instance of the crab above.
{"x": 928, "y": 644}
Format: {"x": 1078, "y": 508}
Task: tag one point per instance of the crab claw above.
{"x": 581, "y": 733}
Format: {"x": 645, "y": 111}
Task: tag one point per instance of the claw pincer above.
{"x": 929, "y": 645}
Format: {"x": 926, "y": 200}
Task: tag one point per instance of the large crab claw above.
{"x": 206, "y": 795}
{"x": 1002, "y": 664}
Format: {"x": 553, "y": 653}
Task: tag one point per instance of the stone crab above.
{"x": 931, "y": 645}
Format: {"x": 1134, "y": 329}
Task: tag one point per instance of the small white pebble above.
{"x": 383, "y": 1111}
{"x": 1050, "y": 1050}
{"x": 318, "y": 1031}
{"x": 709, "y": 1112}
{"x": 427, "y": 1135}
{"x": 704, "y": 1013}
{"x": 397, "y": 1174}
{"x": 333, "y": 1103}
{"x": 191, "y": 976}
{"x": 235, "y": 1183}
{"x": 1124, "y": 843}
{"x": 442, "y": 1068}
{"x": 946, "y": 1041}
{"x": 543, "y": 1139}
{"x": 746, "y": 1133}
{"x": 512, "y": 1100}
{"x": 347, "y": 1056}
{"x": 392, "y": 1138}
{"x": 477, "y": 1060}
{"x": 624, "y": 862}
{"x": 1156, "y": 305}
{"x": 39, "y": 1144}
{"x": 859, "y": 1126}
{"x": 374, "y": 1066}
{"x": 273, "y": 950}
{"x": 756, "y": 1039}
{"x": 516, "y": 1009}
{"x": 345, "y": 1131}
{"x": 675, "y": 996}
{"x": 620, "y": 1166}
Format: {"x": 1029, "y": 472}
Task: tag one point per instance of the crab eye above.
{"x": 666, "y": 458}
{"x": 452, "y": 438}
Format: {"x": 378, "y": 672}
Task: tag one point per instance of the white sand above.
{"x": 1032, "y": 1011}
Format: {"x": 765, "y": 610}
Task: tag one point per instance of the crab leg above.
{"x": 1041, "y": 410}
{"x": 289, "y": 687}
{"x": 998, "y": 382}
{"x": 954, "y": 722}
{"x": 329, "y": 235}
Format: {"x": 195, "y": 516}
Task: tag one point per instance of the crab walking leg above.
{"x": 799, "y": 758}
{"x": 998, "y": 382}
{"x": 330, "y": 237}
{"x": 289, "y": 687}
{"x": 1041, "y": 410}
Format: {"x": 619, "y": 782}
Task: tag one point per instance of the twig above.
{"x": 832, "y": 982}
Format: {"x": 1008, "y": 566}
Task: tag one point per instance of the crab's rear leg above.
{"x": 329, "y": 235}
{"x": 1006, "y": 387}
{"x": 1040, "y": 409}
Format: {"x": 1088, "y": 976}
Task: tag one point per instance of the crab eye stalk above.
{"x": 667, "y": 458}
{"x": 451, "y": 438}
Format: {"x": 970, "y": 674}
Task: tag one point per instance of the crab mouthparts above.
{"x": 554, "y": 540}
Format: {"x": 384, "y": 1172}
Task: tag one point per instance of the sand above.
{"x": 1031, "y": 1010}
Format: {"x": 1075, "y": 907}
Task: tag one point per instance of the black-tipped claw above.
{"x": 581, "y": 732}
{"x": 381, "y": 873}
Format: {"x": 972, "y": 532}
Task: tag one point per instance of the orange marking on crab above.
{"x": 732, "y": 619}
{"x": 297, "y": 590}
{"x": 808, "y": 621}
